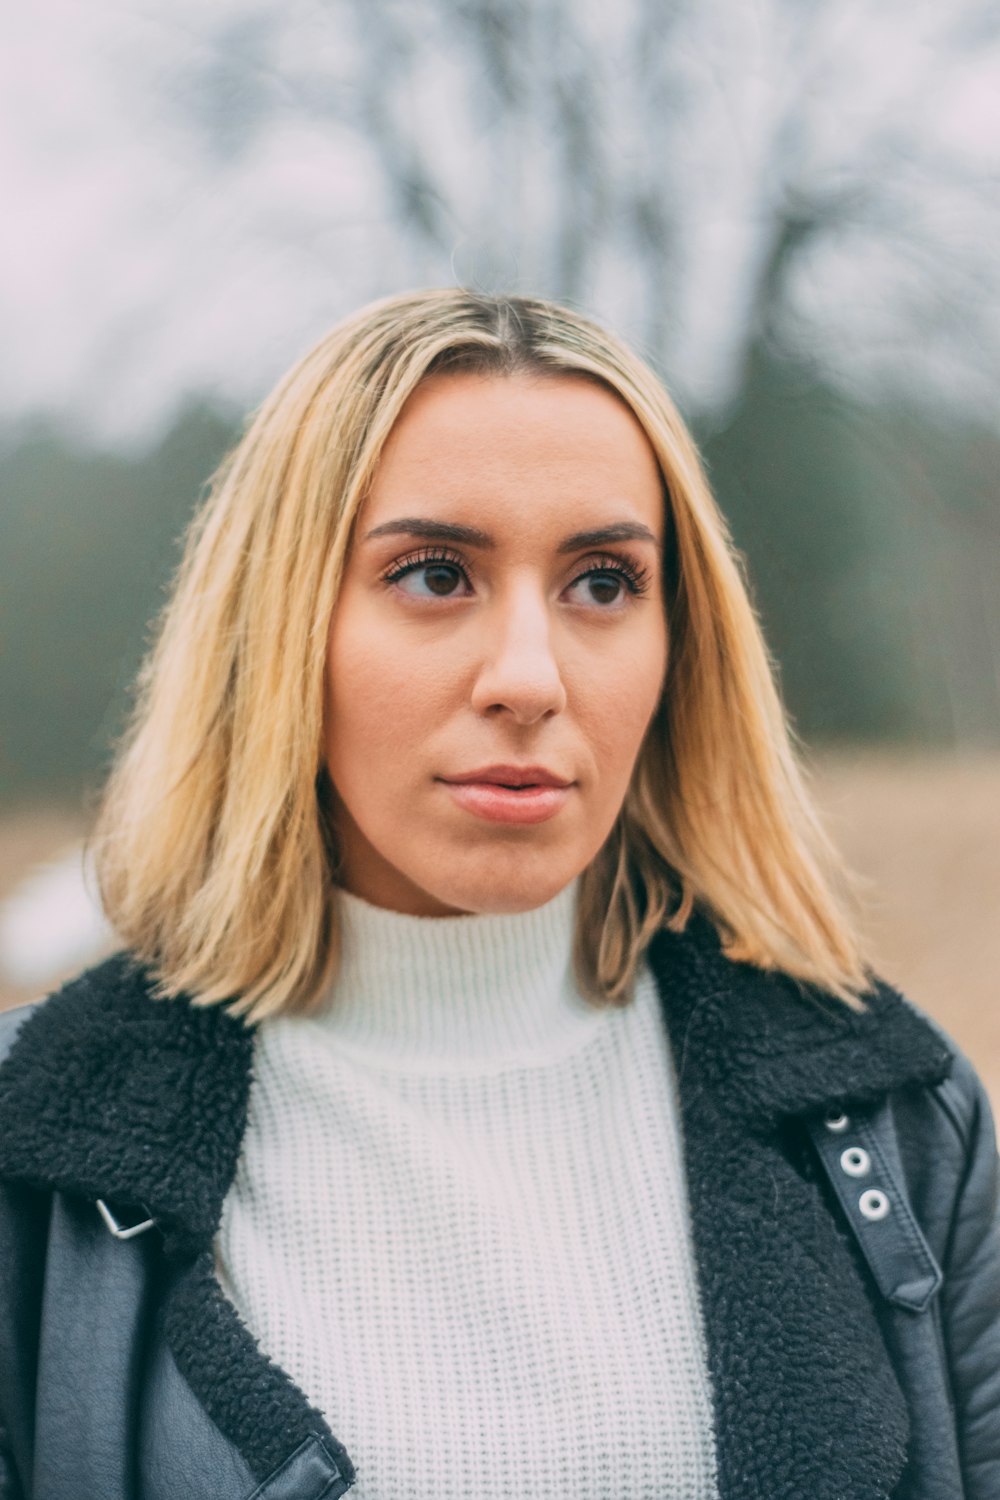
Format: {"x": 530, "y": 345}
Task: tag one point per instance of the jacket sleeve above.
{"x": 12, "y": 1309}
{"x": 971, "y": 1290}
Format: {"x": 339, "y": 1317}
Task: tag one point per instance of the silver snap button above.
{"x": 836, "y": 1121}
{"x": 873, "y": 1204}
{"x": 855, "y": 1161}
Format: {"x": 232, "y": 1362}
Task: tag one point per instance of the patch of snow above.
{"x": 52, "y": 923}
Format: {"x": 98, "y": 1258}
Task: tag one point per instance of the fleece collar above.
{"x": 108, "y": 1093}
{"x": 769, "y": 1047}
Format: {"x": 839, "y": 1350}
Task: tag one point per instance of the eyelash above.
{"x": 633, "y": 575}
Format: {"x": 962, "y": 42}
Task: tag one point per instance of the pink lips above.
{"x": 510, "y": 794}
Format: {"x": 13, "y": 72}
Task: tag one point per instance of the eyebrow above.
{"x": 471, "y": 536}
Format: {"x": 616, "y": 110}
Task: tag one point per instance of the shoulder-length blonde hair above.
{"x": 216, "y": 858}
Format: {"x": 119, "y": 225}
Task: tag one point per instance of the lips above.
{"x": 509, "y": 794}
{"x": 509, "y": 776}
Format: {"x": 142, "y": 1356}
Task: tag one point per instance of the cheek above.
{"x": 381, "y": 701}
{"x": 616, "y": 730}
{"x": 621, "y": 700}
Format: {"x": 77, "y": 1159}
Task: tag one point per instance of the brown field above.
{"x": 924, "y": 835}
{"x": 923, "y": 832}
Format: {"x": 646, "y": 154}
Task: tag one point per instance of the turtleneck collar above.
{"x": 454, "y": 990}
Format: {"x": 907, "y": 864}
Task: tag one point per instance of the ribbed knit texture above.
{"x": 459, "y": 1220}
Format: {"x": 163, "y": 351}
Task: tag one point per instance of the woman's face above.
{"x": 480, "y": 631}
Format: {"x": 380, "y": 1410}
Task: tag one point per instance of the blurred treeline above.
{"x": 88, "y": 541}
{"x": 872, "y": 537}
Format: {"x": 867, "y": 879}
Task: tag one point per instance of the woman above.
{"x": 491, "y": 1097}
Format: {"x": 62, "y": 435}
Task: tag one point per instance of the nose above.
{"x": 518, "y": 669}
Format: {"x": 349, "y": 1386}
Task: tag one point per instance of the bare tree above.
{"x": 817, "y": 173}
{"x": 709, "y": 175}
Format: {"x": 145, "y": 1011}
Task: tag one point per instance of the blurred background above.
{"x": 792, "y": 207}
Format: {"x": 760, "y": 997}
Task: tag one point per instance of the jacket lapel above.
{"x": 109, "y": 1094}
{"x": 806, "y": 1400}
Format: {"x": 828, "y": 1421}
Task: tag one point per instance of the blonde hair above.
{"x": 215, "y": 855}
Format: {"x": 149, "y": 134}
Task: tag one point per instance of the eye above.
{"x": 440, "y": 573}
{"x": 435, "y": 573}
{"x": 603, "y": 586}
{"x": 608, "y": 583}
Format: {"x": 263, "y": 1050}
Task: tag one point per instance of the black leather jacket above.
{"x": 843, "y": 1183}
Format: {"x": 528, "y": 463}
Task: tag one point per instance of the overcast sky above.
{"x": 193, "y": 192}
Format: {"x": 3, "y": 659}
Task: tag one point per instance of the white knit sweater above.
{"x": 459, "y": 1220}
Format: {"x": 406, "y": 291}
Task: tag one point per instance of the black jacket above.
{"x": 853, "y": 1354}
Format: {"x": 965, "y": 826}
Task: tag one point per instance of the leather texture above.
{"x": 170, "y": 1468}
{"x": 947, "y": 1148}
{"x": 125, "y": 1374}
{"x": 858, "y": 1152}
{"x": 936, "y": 1263}
{"x": 309, "y": 1473}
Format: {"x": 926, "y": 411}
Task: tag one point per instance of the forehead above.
{"x": 491, "y": 442}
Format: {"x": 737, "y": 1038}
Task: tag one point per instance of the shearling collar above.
{"x": 771, "y": 1047}
{"x": 109, "y": 1093}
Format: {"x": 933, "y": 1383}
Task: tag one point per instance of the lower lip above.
{"x": 499, "y": 804}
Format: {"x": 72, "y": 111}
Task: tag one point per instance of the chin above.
{"x": 491, "y": 896}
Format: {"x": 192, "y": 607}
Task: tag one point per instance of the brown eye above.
{"x": 427, "y": 577}
{"x": 604, "y": 588}
{"x": 440, "y": 579}
{"x": 611, "y": 584}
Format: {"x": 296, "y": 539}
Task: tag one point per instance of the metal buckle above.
{"x": 120, "y": 1232}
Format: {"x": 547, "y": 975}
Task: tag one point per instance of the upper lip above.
{"x": 512, "y": 776}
